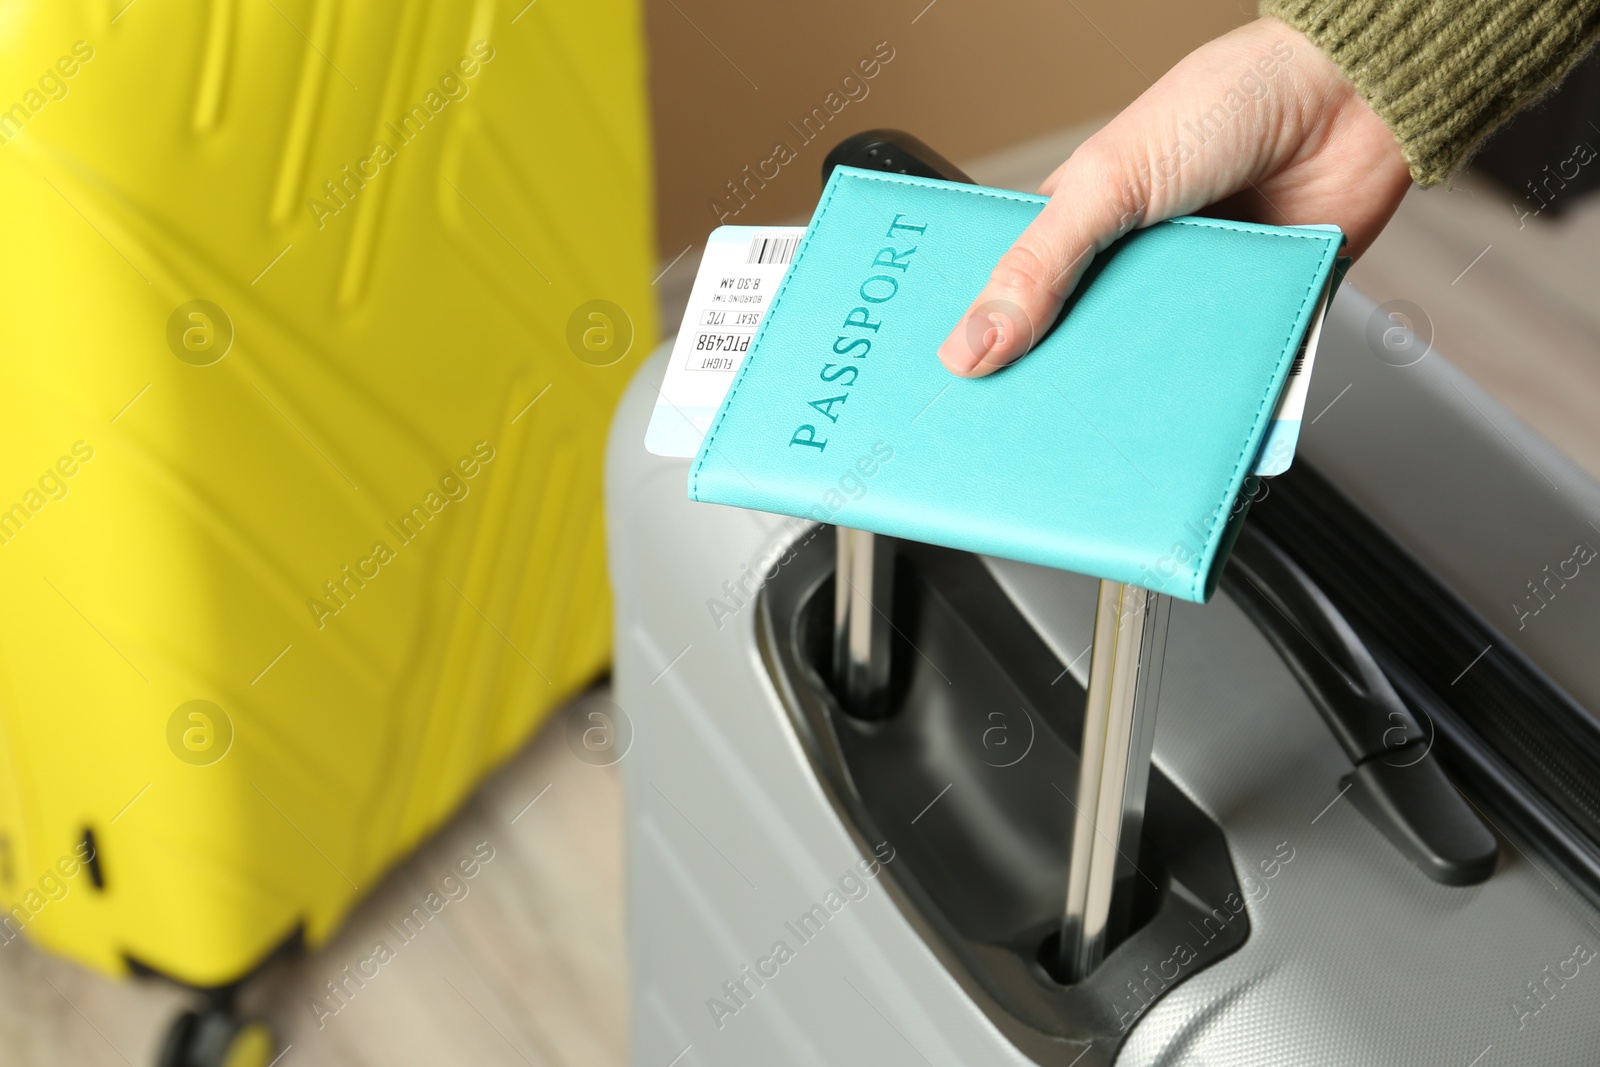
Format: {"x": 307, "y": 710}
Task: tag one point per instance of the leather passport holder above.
{"x": 1118, "y": 448}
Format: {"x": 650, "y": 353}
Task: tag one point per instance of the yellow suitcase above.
{"x": 315, "y": 314}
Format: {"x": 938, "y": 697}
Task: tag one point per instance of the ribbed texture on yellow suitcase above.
{"x": 375, "y": 346}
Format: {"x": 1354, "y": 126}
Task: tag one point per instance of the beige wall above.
{"x": 967, "y": 76}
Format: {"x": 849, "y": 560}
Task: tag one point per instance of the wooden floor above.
{"x": 529, "y": 967}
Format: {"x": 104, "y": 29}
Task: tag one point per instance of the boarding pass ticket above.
{"x": 740, "y": 273}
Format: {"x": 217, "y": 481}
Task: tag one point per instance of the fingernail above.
{"x": 968, "y": 344}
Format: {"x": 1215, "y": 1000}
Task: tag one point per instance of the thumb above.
{"x": 1096, "y": 197}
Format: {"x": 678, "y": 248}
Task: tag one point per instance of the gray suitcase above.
{"x": 797, "y": 896}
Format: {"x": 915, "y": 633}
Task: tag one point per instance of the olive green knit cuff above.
{"x": 1442, "y": 74}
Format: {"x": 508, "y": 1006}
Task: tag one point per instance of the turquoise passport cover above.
{"x": 1117, "y": 448}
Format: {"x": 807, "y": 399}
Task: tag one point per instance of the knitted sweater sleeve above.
{"x": 1442, "y": 74}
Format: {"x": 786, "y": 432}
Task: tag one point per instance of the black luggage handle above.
{"x": 1326, "y": 657}
{"x": 892, "y": 151}
{"x": 1396, "y": 784}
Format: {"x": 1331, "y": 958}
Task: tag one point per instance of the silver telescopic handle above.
{"x": 1130, "y": 637}
{"x": 863, "y": 593}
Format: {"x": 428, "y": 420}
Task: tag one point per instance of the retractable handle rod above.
{"x": 1130, "y": 641}
{"x": 862, "y": 599}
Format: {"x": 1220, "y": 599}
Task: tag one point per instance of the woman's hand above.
{"x": 1258, "y": 124}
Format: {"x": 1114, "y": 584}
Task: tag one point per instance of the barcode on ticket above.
{"x": 768, "y": 248}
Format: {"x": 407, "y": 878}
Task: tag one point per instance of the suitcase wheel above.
{"x": 216, "y": 1038}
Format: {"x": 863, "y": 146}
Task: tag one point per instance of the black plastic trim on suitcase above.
{"x": 981, "y": 871}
